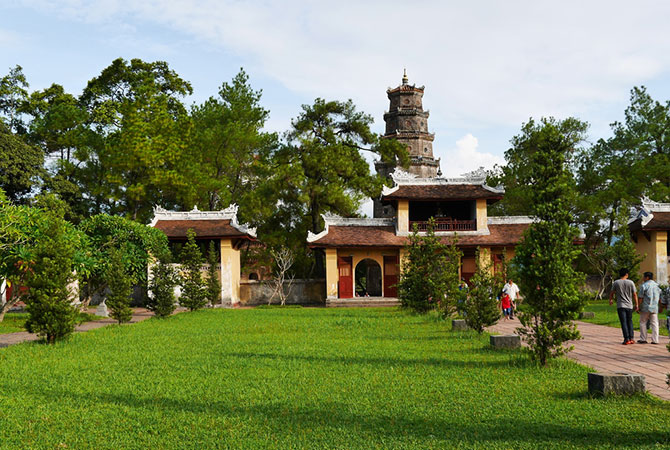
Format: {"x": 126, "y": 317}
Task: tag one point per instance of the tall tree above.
{"x": 20, "y": 165}
{"x": 140, "y": 138}
{"x": 321, "y": 168}
{"x": 13, "y": 95}
{"x": 545, "y": 258}
{"x": 613, "y": 175}
{"x": 230, "y": 147}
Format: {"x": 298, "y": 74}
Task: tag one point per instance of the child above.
{"x": 506, "y": 305}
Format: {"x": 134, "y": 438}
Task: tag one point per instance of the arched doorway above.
{"x": 368, "y": 278}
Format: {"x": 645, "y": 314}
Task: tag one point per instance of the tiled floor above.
{"x": 600, "y": 348}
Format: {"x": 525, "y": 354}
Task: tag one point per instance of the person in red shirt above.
{"x": 506, "y": 305}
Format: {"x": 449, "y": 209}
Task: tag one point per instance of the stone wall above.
{"x": 303, "y": 292}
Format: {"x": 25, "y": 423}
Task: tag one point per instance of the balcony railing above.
{"x": 445, "y": 225}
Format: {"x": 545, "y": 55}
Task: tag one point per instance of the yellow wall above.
{"x": 655, "y": 254}
{"x": 661, "y": 272}
{"x": 332, "y": 273}
{"x": 402, "y": 258}
{"x": 485, "y": 258}
{"x": 482, "y": 214}
{"x": 230, "y": 272}
{"x": 403, "y": 216}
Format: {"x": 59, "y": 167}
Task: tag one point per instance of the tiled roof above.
{"x": 434, "y": 192}
{"x": 360, "y": 236}
{"x": 659, "y": 221}
{"x": 384, "y": 236}
{"x": 208, "y": 228}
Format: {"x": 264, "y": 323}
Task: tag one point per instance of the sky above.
{"x": 487, "y": 66}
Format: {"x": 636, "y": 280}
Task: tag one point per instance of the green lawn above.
{"x": 14, "y": 321}
{"x": 305, "y": 378}
{"x": 607, "y": 315}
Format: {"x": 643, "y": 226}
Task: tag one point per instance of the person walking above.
{"x": 625, "y": 292}
{"x": 512, "y": 290}
{"x": 650, "y": 293}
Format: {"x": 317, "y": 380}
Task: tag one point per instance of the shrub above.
{"x": 138, "y": 242}
{"x": 213, "y": 283}
{"x": 481, "y": 304}
{"x": 50, "y": 312}
{"x": 193, "y": 290}
{"x": 120, "y": 287}
{"x": 161, "y": 290}
{"x": 429, "y": 279}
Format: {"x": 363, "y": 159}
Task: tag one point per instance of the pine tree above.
{"x": 545, "y": 258}
{"x": 48, "y": 302}
{"x": 429, "y": 279}
{"x": 161, "y": 290}
{"x": 213, "y": 283}
{"x": 193, "y": 290}
{"x": 481, "y": 304}
{"x": 120, "y": 288}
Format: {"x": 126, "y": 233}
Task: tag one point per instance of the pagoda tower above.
{"x": 407, "y": 122}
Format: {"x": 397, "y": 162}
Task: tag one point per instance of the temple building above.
{"x": 649, "y": 231}
{"x": 219, "y": 226}
{"x": 364, "y": 256}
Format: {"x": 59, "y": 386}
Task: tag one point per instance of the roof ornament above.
{"x": 475, "y": 175}
{"x": 400, "y": 175}
{"x": 405, "y": 80}
{"x": 231, "y": 210}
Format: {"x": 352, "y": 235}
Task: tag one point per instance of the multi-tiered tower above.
{"x": 407, "y": 122}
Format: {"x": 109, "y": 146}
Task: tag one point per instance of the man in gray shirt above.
{"x": 625, "y": 292}
{"x": 650, "y": 293}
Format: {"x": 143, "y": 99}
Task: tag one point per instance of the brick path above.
{"x": 139, "y": 314}
{"x": 600, "y": 348}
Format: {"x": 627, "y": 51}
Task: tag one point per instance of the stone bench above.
{"x": 587, "y": 315}
{"x": 505, "y": 341}
{"x": 608, "y": 383}
{"x": 459, "y": 325}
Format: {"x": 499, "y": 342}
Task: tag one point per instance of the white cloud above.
{"x": 465, "y": 157}
{"x": 483, "y": 62}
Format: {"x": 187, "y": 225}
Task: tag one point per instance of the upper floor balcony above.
{"x": 444, "y": 224}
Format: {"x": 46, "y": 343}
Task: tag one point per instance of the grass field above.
{"x": 607, "y": 315}
{"x": 305, "y": 378}
{"x": 14, "y": 321}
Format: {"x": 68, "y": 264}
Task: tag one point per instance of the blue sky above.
{"x": 487, "y": 65}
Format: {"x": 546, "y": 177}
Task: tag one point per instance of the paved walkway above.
{"x": 600, "y": 348}
{"x": 139, "y": 314}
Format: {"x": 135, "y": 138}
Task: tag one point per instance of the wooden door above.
{"x": 390, "y": 276}
{"x": 345, "y": 284}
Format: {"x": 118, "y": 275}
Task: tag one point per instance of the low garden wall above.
{"x": 303, "y": 292}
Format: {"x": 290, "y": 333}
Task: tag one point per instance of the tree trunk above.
{"x": 8, "y": 305}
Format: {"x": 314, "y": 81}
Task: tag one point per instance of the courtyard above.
{"x": 306, "y": 378}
